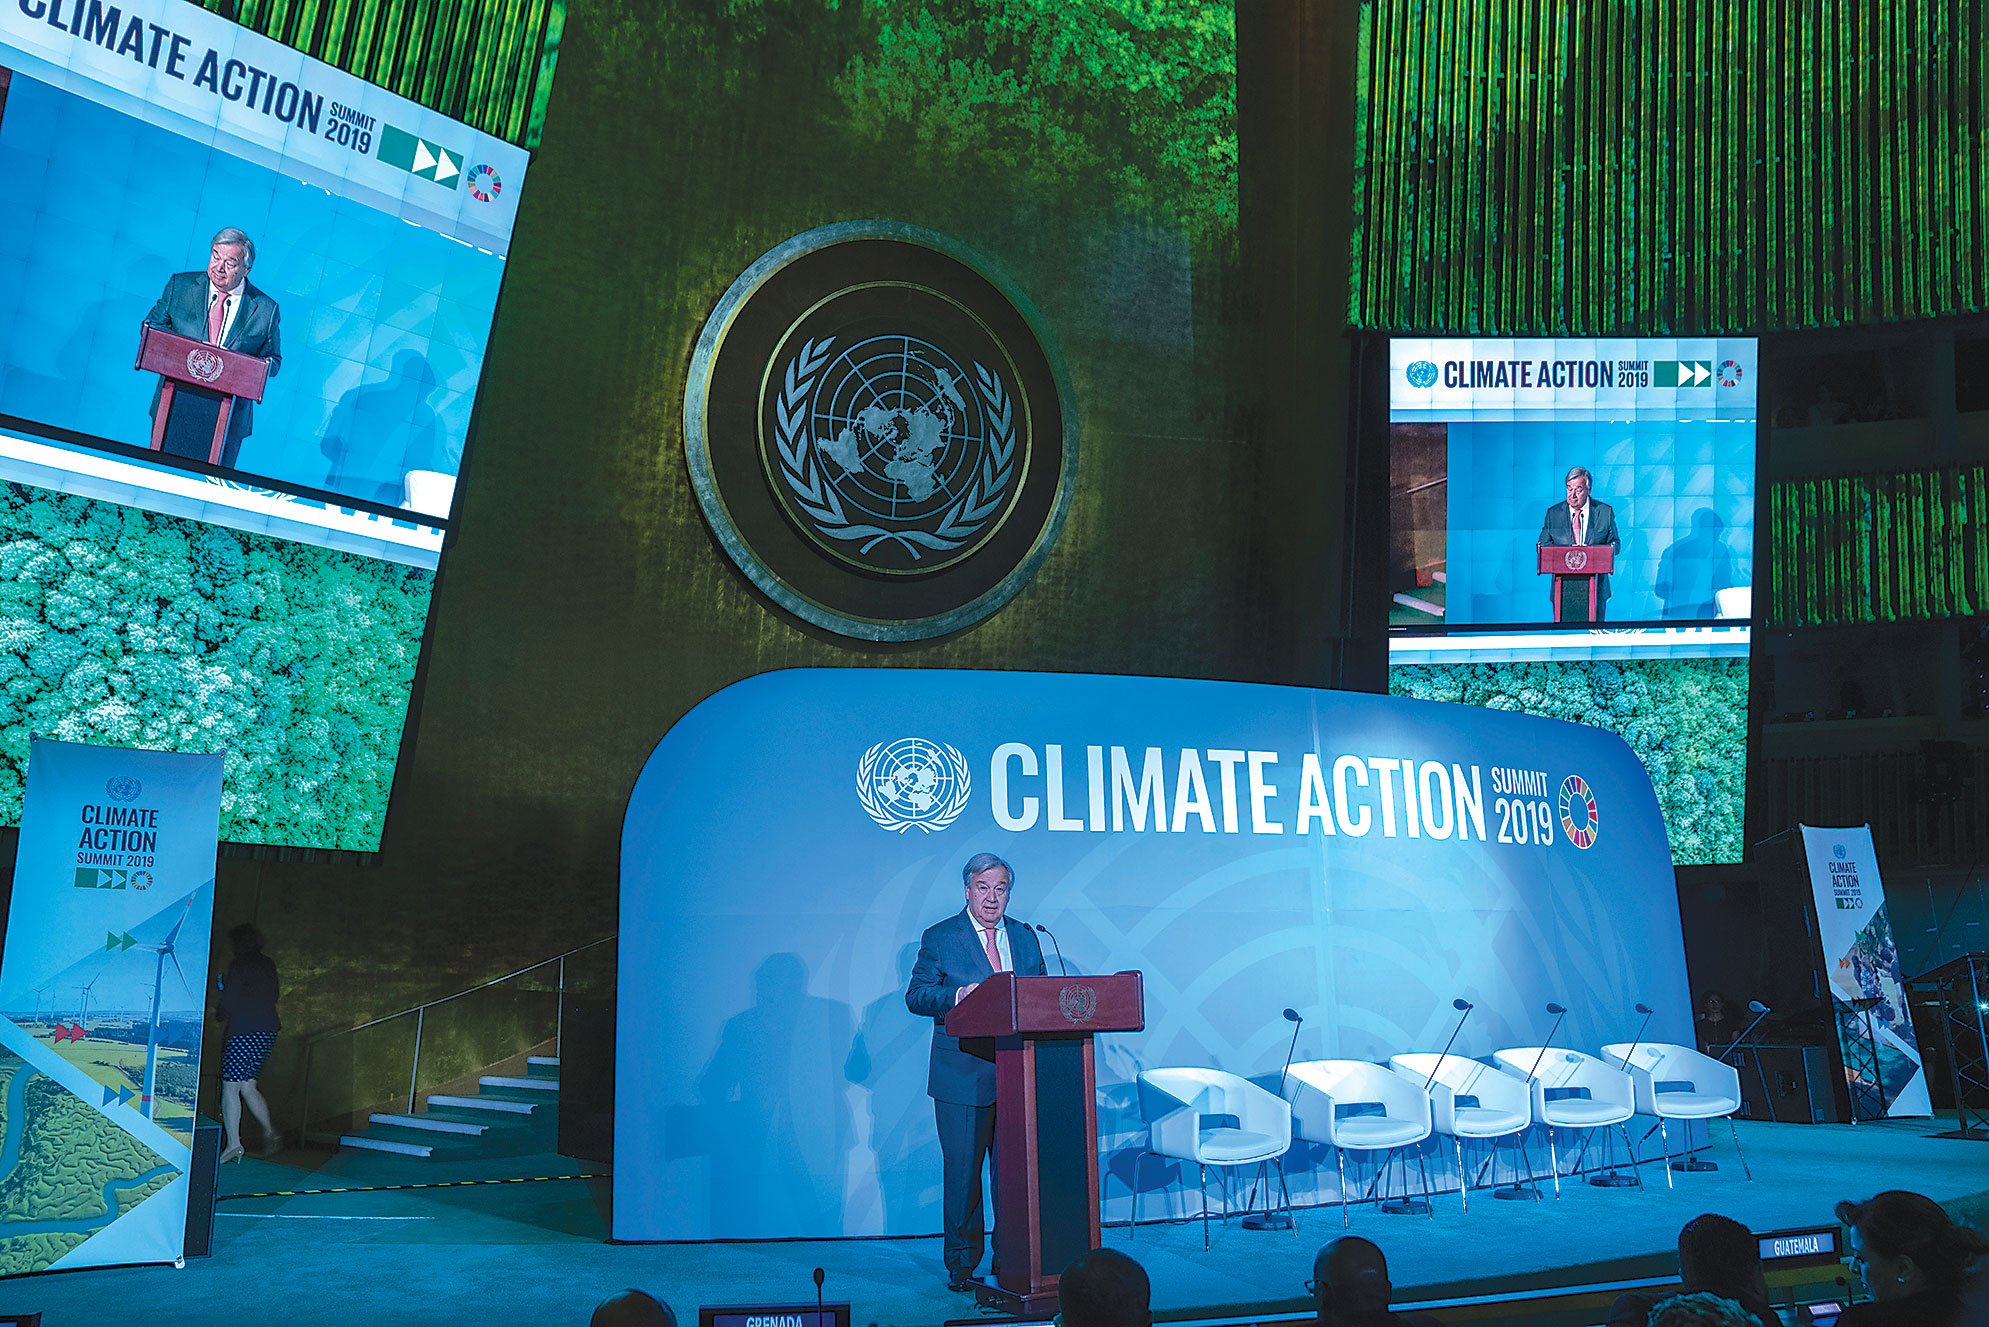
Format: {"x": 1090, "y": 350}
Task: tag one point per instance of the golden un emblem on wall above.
{"x": 877, "y": 432}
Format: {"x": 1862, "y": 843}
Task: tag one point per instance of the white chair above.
{"x": 1576, "y": 1091}
{"x": 1176, "y": 1104}
{"x": 1362, "y": 1107}
{"x": 1678, "y": 1083}
{"x": 1471, "y": 1100}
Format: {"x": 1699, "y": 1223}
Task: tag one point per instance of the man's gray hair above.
{"x": 984, "y": 861}
{"x": 1583, "y": 472}
{"x": 236, "y": 235}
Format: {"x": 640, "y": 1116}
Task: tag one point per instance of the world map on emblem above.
{"x": 891, "y": 441}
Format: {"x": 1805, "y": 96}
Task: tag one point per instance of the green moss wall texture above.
{"x": 1089, "y": 151}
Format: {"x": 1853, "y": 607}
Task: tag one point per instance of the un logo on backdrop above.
{"x": 913, "y": 784}
{"x": 1422, "y": 374}
{"x": 123, "y": 788}
{"x": 892, "y": 454}
{"x": 879, "y": 431}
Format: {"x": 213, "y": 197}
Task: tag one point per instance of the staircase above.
{"x": 508, "y": 1116}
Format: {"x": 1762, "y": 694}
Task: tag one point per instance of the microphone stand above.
{"x": 1743, "y": 1036}
{"x": 1465, "y": 1007}
{"x": 818, "y": 1297}
{"x": 1544, "y": 1045}
{"x": 1634, "y": 1041}
{"x": 1061, "y": 965}
{"x": 1268, "y": 1219}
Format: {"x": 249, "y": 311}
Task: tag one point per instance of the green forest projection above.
{"x": 127, "y": 628}
{"x": 1128, "y": 103}
{"x": 1685, "y": 718}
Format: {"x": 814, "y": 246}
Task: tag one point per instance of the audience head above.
{"x": 1719, "y": 1254}
{"x": 1105, "y": 1288}
{"x": 632, "y": 1308}
{"x": 1904, "y": 1244}
{"x": 1350, "y": 1276}
{"x": 245, "y": 939}
{"x": 1699, "y": 1309}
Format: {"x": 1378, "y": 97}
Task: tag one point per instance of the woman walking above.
{"x": 248, "y": 1003}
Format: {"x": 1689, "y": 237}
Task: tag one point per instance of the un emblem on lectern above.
{"x": 1576, "y": 559}
{"x": 879, "y": 432}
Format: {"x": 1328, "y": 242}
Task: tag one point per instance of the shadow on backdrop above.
{"x": 776, "y": 1124}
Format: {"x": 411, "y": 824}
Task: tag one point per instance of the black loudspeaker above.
{"x": 200, "y": 1182}
{"x": 587, "y": 1078}
{"x": 1787, "y": 1084}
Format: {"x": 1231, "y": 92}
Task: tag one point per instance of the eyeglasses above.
{"x": 985, "y": 891}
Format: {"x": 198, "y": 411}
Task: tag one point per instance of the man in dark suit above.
{"x": 1579, "y": 520}
{"x": 222, "y": 307}
{"x": 956, "y": 956}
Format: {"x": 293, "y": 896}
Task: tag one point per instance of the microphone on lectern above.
{"x": 1645, "y": 1010}
{"x": 1291, "y": 1016}
{"x": 1560, "y": 1011}
{"x": 818, "y": 1297}
{"x": 1463, "y": 1008}
{"x": 1063, "y": 966}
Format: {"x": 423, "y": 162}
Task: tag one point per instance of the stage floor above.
{"x": 534, "y": 1251}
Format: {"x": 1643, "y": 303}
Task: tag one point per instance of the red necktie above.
{"x": 1580, "y": 517}
{"x": 994, "y": 955}
{"x": 217, "y": 314}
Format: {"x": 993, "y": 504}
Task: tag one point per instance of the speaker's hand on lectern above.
{"x": 965, "y": 991}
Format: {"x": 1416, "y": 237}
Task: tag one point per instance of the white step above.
{"x": 519, "y": 1084}
{"x": 543, "y": 1061}
{"x": 430, "y": 1123}
{"x": 484, "y": 1103}
{"x": 386, "y": 1145}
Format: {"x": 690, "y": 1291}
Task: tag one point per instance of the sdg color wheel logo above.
{"x": 1729, "y": 373}
{"x": 879, "y": 432}
{"x": 1422, "y": 374}
{"x": 913, "y": 784}
{"x": 1578, "y": 819}
{"x": 484, "y": 183}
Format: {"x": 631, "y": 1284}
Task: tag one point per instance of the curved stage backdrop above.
{"x": 1247, "y": 847}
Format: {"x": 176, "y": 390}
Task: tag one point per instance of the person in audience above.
{"x": 632, "y": 1308}
{"x": 1351, "y": 1288}
{"x": 1916, "y": 1263}
{"x": 1717, "y": 1255}
{"x": 1105, "y": 1288}
{"x": 247, "y": 999}
{"x": 1699, "y": 1309}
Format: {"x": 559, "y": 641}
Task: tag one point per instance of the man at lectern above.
{"x": 1580, "y": 520}
{"x": 955, "y": 956}
{"x": 221, "y": 307}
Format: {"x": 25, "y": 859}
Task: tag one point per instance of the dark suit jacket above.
{"x": 182, "y": 308}
{"x": 1559, "y": 528}
{"x": 950, "y": 956}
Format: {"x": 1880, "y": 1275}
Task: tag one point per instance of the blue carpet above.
{"x": 535, "y": 1252}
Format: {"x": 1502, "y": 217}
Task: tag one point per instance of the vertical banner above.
{"x": 101, "y": 1004}
{"x": 1881, "y": 1053}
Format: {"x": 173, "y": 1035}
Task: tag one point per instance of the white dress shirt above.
{"x": 1579, "y": 516}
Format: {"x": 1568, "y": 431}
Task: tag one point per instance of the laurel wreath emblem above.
{"x": 887, "y": 817}
{"x": 818, "y": 499}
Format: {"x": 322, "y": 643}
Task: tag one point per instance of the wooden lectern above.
{"x": 1038, "y": 1032}
{"x": 1567, "y": 562}
{"x": 198, "y": 367}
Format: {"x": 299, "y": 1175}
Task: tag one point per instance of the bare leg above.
{"x": 231, "y": 1119}
{"x": 252, "y": 1096}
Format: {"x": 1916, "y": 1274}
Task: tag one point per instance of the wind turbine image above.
{"x": 164, "y": 950}
{"x": 83, "y": 1018}
{"x": 39, "y": 992}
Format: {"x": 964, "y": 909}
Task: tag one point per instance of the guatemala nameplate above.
{"x": 877, "y": 432}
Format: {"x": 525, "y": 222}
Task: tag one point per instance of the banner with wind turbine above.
{"x": 101, "y": 1004}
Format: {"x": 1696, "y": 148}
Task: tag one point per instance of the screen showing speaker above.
{"x": 1571, "y": 534}
{"x": 168, "y": 173}
{"x": 168, "y": 168}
